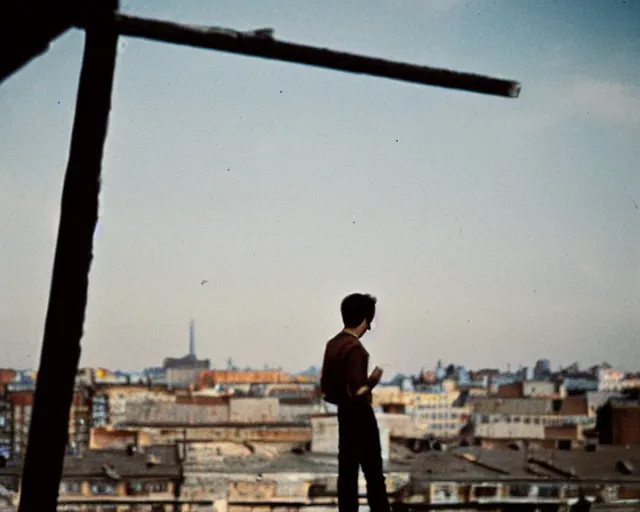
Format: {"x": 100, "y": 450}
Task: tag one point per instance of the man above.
{"x": 344, "y": 382}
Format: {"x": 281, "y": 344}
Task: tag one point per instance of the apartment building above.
{"x": 109, "y": 480}
{"x": 440, "y": 415}
{"x": 513, "y": 480}
{"x": 561, "y": 422}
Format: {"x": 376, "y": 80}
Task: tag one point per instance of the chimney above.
{"x": 192, "y": 338}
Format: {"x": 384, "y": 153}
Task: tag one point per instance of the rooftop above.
{"x": 289, "y": 462}
{"x": 474, "y": 463}
{"x": 155, "y": 461}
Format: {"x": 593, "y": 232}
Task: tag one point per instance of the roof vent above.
{"x": 625, "y": 467}
{"x": 438, "y": 446}
{"x": 110, "y": 471}
{"x": 153, "y": 460}
{"x": 417, "y": 445}
{"x": 517, "y": 446}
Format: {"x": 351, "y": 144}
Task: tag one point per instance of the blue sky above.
{"x": 493, "y": 231}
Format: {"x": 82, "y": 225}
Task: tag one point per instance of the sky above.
{"x": 493, "y": 231}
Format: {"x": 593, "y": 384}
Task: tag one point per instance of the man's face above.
{"x": 369, "y": 324}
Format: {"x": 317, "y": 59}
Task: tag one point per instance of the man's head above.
{"x": 358, "y": 311}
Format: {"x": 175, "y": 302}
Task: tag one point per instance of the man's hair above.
{"x": 356, "y": 308}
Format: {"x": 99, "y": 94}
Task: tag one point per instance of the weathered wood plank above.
{"x": 261, "y": 43}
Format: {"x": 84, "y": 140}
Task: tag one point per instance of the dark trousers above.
{"x": 359, "y": 445}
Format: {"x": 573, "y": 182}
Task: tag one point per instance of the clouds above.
{"x": 434, "y": 7}
{"x": 442, "y": 6}
{"x": 548, "y": 103}
{"x": 609, "y": 100}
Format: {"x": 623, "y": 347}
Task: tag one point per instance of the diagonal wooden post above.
{"x": 39, "y": 22}
{"x": 63, "y": 329}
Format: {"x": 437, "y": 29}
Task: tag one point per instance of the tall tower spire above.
{"x": 192, "y": 338}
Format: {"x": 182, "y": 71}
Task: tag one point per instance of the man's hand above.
{"x": 375, "y": 377}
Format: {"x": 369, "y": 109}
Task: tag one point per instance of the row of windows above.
{"x": 439, "y": 415}
{"x": 536, "y": 420}
{"x": 444, "y": 426}
{"x": 442, "y": 398}
{"x": 432, "y": 405}
{"x": 110, "y": 489}
{"x": 448, "y": 492}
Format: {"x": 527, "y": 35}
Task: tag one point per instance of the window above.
{"x": 103, "y": 489}
{"x": 548, "y": 491}
{"x": 516, "y": 419}
{"x": 70, "y": 487}
{"x": 135, "y": 487}
{"x": 487, "y": 491}
{"x": 444, "y": 493}
{"x": 526, "y": 420}
{"x": 519, "y": 491}
{"x": 157, "y": 486}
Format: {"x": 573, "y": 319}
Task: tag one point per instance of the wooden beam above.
{"x": 27, "y": 27}
{"x": 68, "y": 295}
{"x": 261, "y": 44}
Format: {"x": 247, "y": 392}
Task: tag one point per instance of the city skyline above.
{"x": 491, "y": 230}
{"x": 428, "y": 366}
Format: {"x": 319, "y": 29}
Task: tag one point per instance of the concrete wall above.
{"x": 172, "y": 413}
{"x": 325, "y": 438}
{"x": 404, "y": 426}
{"x": 534, "y": 388}
{"x": 285, "y": 434}
{"x": 298, "y": 412}
{"x": 504, "y": 430}
{"x": 120, "y": 397}
{"x": 254, "y": 410}
{"x": 324, "y": 434}
{"x": 183, "y": 377}
{"x": 142, "y": 410}
{"x": 573, "y": 432}
{"x": 523, "y": 406}
{"x": 102, "y": 438}
{"x": 204, "y": 453}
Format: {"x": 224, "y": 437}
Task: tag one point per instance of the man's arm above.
{"x": 359, "y": 385}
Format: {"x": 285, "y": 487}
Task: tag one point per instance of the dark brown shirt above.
{"x": 345, "y": 370}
